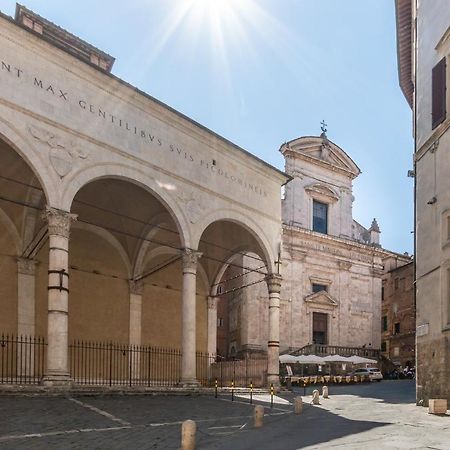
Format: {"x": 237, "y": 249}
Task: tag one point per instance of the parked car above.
{"x": 372, "y": 373}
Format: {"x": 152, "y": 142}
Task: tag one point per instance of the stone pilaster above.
{"x": 58, "y": 296}
{"x": 188, "y": 362}
{"x": 26, "y": 281}
{"x": 212, "y": 325}
{"x": 136, "y": 291}
{"x": 273, "y": 346}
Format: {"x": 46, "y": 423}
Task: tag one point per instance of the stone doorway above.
{"x": 320, "y": 328}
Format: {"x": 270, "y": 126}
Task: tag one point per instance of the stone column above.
{"x": 273, "y": 346}
{"x": 26, "y": 269}
{"x": 188, "y": 361}
{"x": 135, "y": 332}
{"x": 212, "y": 325}
{"x": 58, "y": 297}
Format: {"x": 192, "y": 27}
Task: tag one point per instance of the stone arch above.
{"x": 170, "y": 251}
{"x": 109, "y": 237}
{"x": 141, "y": 257}
{"x": 248, "y": 224}
{"x": 82, "y": 177}
{"x": 12, "y": 136}
{"x": 222, "y": 269}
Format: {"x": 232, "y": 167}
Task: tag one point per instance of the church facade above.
{"x": 331, "y": 265}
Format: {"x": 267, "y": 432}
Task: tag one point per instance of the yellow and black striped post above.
{"x": 251, "y": 392}
{"x": 271, "y": 395}
{"x": 232, "y": 390}
{"x": 216, "y": 384}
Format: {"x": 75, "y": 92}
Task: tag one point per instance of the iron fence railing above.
{"x": 108, "y": 363}
{"x": 241, "y": 372}
{"x": 22, "y": 359}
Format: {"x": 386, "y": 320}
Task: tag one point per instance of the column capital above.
{"x": 212, "y": 302}
{"x": 59, "y": 221}
{"x": 26, "y": 266}
{"x": 273, "y": 281}
{"x": 190, "y": 259}
{"x": 136, "y": 287}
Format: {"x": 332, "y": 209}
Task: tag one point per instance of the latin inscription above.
{"x": 109, "y": 118}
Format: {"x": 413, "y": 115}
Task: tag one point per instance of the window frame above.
{"x": 326, "y": 209}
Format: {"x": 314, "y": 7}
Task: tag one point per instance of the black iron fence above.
{"x": 107, "y": 363}
{"x": 241, "y": 372}
{"x": 22, "y": 359}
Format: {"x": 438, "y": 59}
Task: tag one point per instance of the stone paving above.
{"x": 368, "y": 416}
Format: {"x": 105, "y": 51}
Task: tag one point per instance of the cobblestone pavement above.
{"x": 369, "y": 416}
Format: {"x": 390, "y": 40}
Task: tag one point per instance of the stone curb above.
{"x": 18, "y": 390}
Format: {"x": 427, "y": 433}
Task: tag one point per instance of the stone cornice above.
{"x": 314, "y": 238}
{"x": 319, "y": 162}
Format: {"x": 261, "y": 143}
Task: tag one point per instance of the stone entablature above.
{"x": 332, "y": 245}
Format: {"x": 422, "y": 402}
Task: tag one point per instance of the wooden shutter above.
{"x": 438, "y": 93}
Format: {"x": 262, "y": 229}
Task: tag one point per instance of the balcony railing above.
{"x": 325, "y": 350}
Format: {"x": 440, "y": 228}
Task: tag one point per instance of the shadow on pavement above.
{"x": 289, "y": 432}
{"x": 388, "y": 391}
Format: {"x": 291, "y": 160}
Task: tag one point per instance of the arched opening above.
{"x": 236, "y": 261}
{"x": 116, "y": 220}
{"x": 22, "y": 227}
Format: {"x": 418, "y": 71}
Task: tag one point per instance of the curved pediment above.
{"x": 322, "y": 298}
{"x": 322, "y": 190}
{"x": 323, "y": 151}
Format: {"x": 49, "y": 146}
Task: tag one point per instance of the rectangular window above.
{"x": 320, "y": 217}
{"x": 385, "y": 323}
{"x": 383, "y": 346}
{"x": 382, "y": 293}
{"x": 319, "y": 287}
{"x": 220, "y": 322}
{"x": 397, "y": 328}
{"x": 438, "y": 93}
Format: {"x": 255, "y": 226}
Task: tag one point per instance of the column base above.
{"x": 273, "y": 379}
{"x": 57, "y": 380}
{"x": 190, "y": 383}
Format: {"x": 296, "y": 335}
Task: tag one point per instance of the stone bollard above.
{"x": 188, "y": 431}
{"x": 325, "y": 391}
{"x": 315, "y": 399}
{"x": 298, "y": 405}
{"x": 259, "y": 416}
{"x": 437, "y": 406}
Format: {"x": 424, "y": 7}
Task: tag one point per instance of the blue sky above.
{"x": 261, "y": 72}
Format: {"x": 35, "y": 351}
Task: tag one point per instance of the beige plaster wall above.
{"x": 98, "y": 302}
{"x": 162, "y": 313}
{"x": 8, "y": 283}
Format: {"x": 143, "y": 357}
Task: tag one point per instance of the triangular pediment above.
{"x": 323, "y": 151}
{"x": 322, "y": 298}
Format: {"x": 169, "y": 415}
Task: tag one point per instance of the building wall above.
{"x": 398, "y": 307}
{"x": 8, "y": 291}
{"x": 432, "y": 207}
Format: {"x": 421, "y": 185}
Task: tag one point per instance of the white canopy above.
{"x": 288, "y": 359}
{"x": 336, "y": 358}
{"x": 301, "y": 359}
{"x": 360, "y": 360}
